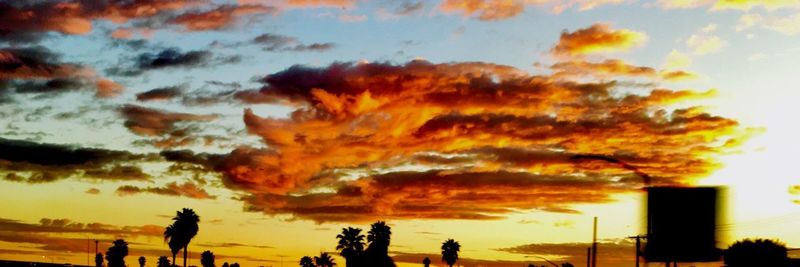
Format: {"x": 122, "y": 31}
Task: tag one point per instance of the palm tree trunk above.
{"x": 173, "y": 258}
{"x": 185, "y": 252}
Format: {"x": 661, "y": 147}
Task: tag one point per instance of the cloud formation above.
{"x": 462, "y": 140}
{"x": 169, "y": 128}
{"x": 278, "y": 43}
{"x": 66, "y": 226}
{"x": 187, "y": 189}
{"x": 218, "y": 18}
{"x": 494, "y": 10}
{"x": 610, "y": 68}
{"x": 163, "y": 93}
{"x": 27, "y": 22}
{"x": 36, "y": 69}
{"x": 29, "y": 19}
{"x": 21, "y": 161}
{"x": 598, "y": 38}
{"x": 170, "y": 58}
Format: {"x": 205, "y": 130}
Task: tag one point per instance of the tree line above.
{"x": 372, "y": 249}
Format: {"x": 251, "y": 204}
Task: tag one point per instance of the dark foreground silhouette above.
{"x": 372, "y": 250}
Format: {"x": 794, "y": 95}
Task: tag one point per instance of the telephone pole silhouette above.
{"x": 638, "y": 246}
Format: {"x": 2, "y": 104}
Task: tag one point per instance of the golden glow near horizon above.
{"x": 282, "y": 122}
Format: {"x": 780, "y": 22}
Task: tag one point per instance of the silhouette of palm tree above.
{"x": 187, "y": 221}
{"x": 450, "y": 249}
{"x": 377, "y": 253}
{"x": 98, "y": 260}
{"x": 306, "y": 261}
{"x": 351, "y": 245}
{"x": 324, "y": 260}
{"x": 426, "y": 262}
{"x": 142, "y": 261}
{"x": 172, "y": 237}
{"x": 116, "y": 253}
{"x": 759, "y": 252}
{"x": 163, "y": 261}
{"x": 379, "y": 235}
{"x": 207, "y": 259}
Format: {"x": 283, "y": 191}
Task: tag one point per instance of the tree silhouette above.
{"x": 184, "y": 227}
{"x": 235, "y": 264}
{"x": 187, "y": 221}
{"x": 759, "y": 252}
{"x": 426, "y": 262}
{"x": 450, "y": 249}
{"x": 142, "y": 261}
{"x": 207, "y": 259}
{"x": 379, "y": 235}
{"x": 306, "y": 261}
{"x": 324, "y": 260}
{"x": 567, "y": 265}
{"x": 225, "y": 264}
{"x": 116, "y": 253}
{"x": 163, "y": 261}
{"x": 377, "y": 253}
{"x": 173, "y": 239}
{"x": 98, "y": 260}
{"x": 351, "y": 245}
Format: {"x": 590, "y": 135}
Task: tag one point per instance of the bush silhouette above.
{"x": 759, "y": 252}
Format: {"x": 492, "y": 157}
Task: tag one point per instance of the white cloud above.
{"x": 702, "y": 44}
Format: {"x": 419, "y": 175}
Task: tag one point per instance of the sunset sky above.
{"x": 280, "y": 122}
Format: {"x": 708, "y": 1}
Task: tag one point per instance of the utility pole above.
{"x": 638, "y": 246}
{"x": 594, "y": 244}
{"x": 589, "y": 257}
{"x": 95, "y": 246}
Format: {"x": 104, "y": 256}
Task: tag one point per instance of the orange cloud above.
{"x": 187, "y": 189}
{"x": 462, "y": 140}
{"x": 76, "y": 17}
{"x": 492, "y": 10}
{"x": 484, "y": 9}
{"x": 218, "y": 18}
{"x": 611, "y": 68}
{"x": 321, "y": 3}
{"x": 599, "y": 38}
